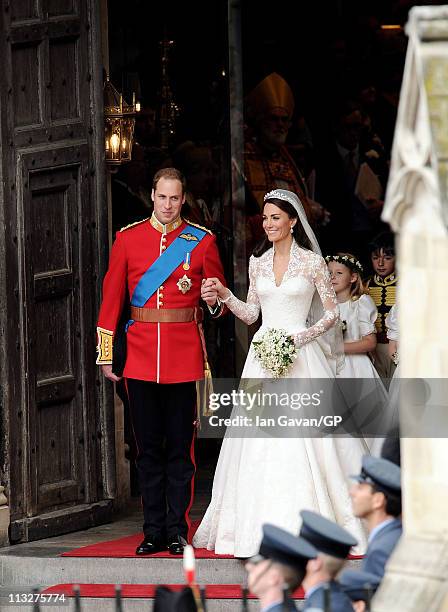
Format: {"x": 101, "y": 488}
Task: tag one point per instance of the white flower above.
{"x": 275, "y": 350}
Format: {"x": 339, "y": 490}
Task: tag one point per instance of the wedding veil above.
{"x": 331, "y": 341}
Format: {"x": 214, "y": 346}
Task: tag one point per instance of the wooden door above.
{"x": 57, "y": 458}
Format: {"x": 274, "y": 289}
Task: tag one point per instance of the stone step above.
{"x": 39, "y": 564}
{"x": 30, "y": 571}
{"x": 22, "y": 571}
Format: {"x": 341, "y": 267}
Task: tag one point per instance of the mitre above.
{"x": 273, "y": 92}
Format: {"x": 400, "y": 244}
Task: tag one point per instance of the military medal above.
{"x": 184, "y": 284}
{"x": 186, "y": 265}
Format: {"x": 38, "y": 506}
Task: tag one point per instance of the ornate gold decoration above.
{"x": 165, "y": 229}
{"x": 132, "y": 224}
{"x": 184, "y": 284}
{"x": 205, "y": 229}
{"x": 104, "y": 347}
{"x": 189, "y": 237}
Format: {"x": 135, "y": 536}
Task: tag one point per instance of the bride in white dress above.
{"x": 267, "y": 479}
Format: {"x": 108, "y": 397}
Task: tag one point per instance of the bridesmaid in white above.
{"x": 358, "y": 314}
{"x": 269, "y": 480}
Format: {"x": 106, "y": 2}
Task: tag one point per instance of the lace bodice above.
{"x": 287, "y": 306}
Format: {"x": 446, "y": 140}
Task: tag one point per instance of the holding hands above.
{"x": 212, "y": 289}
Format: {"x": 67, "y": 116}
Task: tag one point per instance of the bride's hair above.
{"x": 298, "y": 232}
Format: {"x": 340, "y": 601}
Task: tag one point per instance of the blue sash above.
{"x": 165, "y": 264}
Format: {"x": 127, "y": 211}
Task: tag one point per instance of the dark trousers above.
{"x": 163, "y": 422}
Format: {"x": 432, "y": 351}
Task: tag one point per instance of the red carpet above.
{"x": 125, "y": 548}
{"x": 212, "y": 591}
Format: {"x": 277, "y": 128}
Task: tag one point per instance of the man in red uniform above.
{"x": 160, "y": 263}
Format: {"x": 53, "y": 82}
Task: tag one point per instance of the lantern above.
{"x": 119, "y": 122}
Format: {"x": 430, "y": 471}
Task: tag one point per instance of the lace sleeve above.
{"x": 249, "y": 310}
{"x": 329, "y": 303}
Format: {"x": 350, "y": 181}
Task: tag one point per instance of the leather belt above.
{"x": 167, "y": 315}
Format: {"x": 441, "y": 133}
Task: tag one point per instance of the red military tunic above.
{"x": 159, "y": 352}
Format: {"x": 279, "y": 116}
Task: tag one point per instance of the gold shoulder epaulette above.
{"x": 199, "y": 226}
{"x": 132, "y": 224}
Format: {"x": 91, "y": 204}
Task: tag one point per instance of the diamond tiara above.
{"x": 282, "y": 195}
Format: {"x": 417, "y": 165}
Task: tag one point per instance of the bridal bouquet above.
{"x": 276, "y": 351}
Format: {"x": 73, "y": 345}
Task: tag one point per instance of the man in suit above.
{"x": 376, "y": 498}
{"x": 278, "y": 569}
{"x": 161, "y": 263}
{"x": 333, "y": 544}
{"x": 360, "y": 587}
{"x": 353, "y": 222}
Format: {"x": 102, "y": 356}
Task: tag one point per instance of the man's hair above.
{"x": 332, "y": 565}
{"x": 292, "y": 576}
{"x": 393, "y": 502}
{"x": 170, "y": 173}
{"x": 384, "y": 241}
{"x": 393, "y": 505}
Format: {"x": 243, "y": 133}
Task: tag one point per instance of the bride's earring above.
{"x": 292, "y": 230}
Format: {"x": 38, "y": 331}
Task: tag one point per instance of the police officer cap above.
{"x": 382, "y": 473}
{"x": 280, "y": 545}
{"x": 327, "y": 537}
{"x": 358, "y": 585}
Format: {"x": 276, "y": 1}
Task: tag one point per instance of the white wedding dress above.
{"x": 269, "y": 480}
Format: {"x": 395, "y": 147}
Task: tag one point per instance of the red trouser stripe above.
{"x": 125, "y": 380}
{"x": 193, "y": 460}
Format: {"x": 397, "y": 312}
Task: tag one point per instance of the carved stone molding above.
{"x": 420, "y": 150}
{"x": 417, "y": 209}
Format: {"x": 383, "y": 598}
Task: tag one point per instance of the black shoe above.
{"x": 151, "y": 545}
{"x": 176, "y": 545}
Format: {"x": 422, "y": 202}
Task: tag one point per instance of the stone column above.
{"x": 417, "y": 209}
